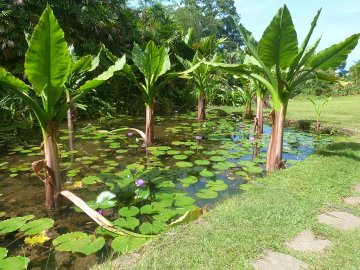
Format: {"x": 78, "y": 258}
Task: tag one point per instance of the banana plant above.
{"x": 283, "y": 66}
{"x": 198, "y": 72}
{"x": 318, "y": 110}
{"x": 48, "y": 67}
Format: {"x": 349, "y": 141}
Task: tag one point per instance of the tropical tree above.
{"x": 153, "y": 63}
{"x": 284, "y": 66}
{"x": 48, "y": 66}
{"x": 355, "y": 72}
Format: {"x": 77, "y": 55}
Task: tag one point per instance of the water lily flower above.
{"x": 129, "y": 134}
{"x": 198, "y": 138}
{"x": 100, "y": 211}
{"x": 139, "y": 182}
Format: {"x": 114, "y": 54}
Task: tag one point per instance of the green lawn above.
{"x": 272, "y": 211}
{"x": 340, "y": 112}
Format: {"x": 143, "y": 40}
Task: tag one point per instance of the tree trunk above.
{"x": 256, "y": 150}
{"x": 201, "y": 116}
{"x": 259, "y": 126}
{"x": 70, "y": 124}
{"x": 149, "y": 128}
{"x": 274, "y": 154}
{"x": 53, "y": 177}
{"x": 317, "y": 124}
{"x": 248, "y": 112}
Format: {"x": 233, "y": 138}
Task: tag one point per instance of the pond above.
{"x": 192, "y": 164}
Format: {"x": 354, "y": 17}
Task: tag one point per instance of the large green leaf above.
{"x": 103, "y": 77}
{"x": 82, "y": 65}
{"x": 164, "y": 62}
{"x": 334, "y": 55}
{"x": 278, "y": 45}
{"x": 14, "y": 263}
{"x": 78, "y": 242}
{"x": 37, "y": 226}
{"x": 47, "y": 61}
{"x": 125, "y": 244}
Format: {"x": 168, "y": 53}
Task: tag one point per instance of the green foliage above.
{"x": 123, "y": 244}
{"x": 153, "y": 63}
{"x": 13, "y": 224}
{"x": 37, "y": 226}
{"x": 79, "y": 242}
{"x": 12, "y": 263}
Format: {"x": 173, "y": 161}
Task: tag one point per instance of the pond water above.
{"x": 192, "y": 164}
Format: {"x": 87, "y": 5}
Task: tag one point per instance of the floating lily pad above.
{"x": 202, "y": 162}
{"x": 149, "y": 209}
{"x": 206, "y": 194}
{"x": 253, "y": 169}
{"x": 13, "y": 224}
{"x": 128, "y": 211}
{"x": 78, "y": 242}
{"x": 217, "y": 158}
{"x": 189, "y": 180}
{"x": 173, "y": 152}
{"x": 123, "y": 244}
{"x": 217, "y": 185}
{"x": 91, "y": 180}
{"x": 223, "y": 165}
{"x": 206, "y": 173}
{"x": 13, "y": 263}
{"x": 180, "y": 157}
{"x": 183, "y": 201}
{"x": 37, "y": 226}
{"x": 246, "y": 163}
{"x": 184, "y": 164}
{"x": 151, "y": 228}
{"x": 127, "y": 223}
{"x": 105, "y": 200}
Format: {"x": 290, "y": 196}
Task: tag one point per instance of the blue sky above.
{"x": 338, "y": 20}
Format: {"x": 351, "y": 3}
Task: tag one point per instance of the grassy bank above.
{"x": 271, "y": 212}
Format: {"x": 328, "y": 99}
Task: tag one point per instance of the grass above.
{"x": 272, "y": 211}
{"x": 339, "y": 112}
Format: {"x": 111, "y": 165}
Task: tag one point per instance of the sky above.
{"x": 338, "y": 19}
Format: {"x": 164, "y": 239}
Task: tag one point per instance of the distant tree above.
{"x": 354, "y": 72}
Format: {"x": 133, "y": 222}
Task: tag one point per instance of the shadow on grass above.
{"x": 342, "y": 149}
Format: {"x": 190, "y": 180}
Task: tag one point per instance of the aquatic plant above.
{"x": 48, "y": 67}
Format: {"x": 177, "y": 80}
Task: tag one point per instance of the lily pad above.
{"x": 12, "y": 224}
{"x": 184, "y": 164}
{"x": 37, "y": 226}
{"x": 129, "y": 211}
{"x": 91, "y": 180}
{"x": 123, "y": 244}
{"x": 223, "y": 165}
{"x": 180, "y": 157}
{"x": 78, "y": 242}
{"x": 206, "y": 194}
{"x": 202, "y": 162}
{"x": 206, "y": 173}
{"x": 217, "y": 158}
{"x": 189, "y": 180}
{"x": 151, "y": 228}
{"x": 253, "y": 169}
{"x": 217, "y": 185}
{"x": 14, "y": 263}
{"x": 128, "y": 223}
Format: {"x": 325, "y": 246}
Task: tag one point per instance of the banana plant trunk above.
{"x": 318, "y": 125}
{"x": 52, "y": 170}
{"x": 149, "y": 127}
{"x": 248, "y": 112}
{"x": 70, "y": 124}
{"x": 274, "y": 154}
{"x": 259, "y": 119}
{"x": 201, "y": 116}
